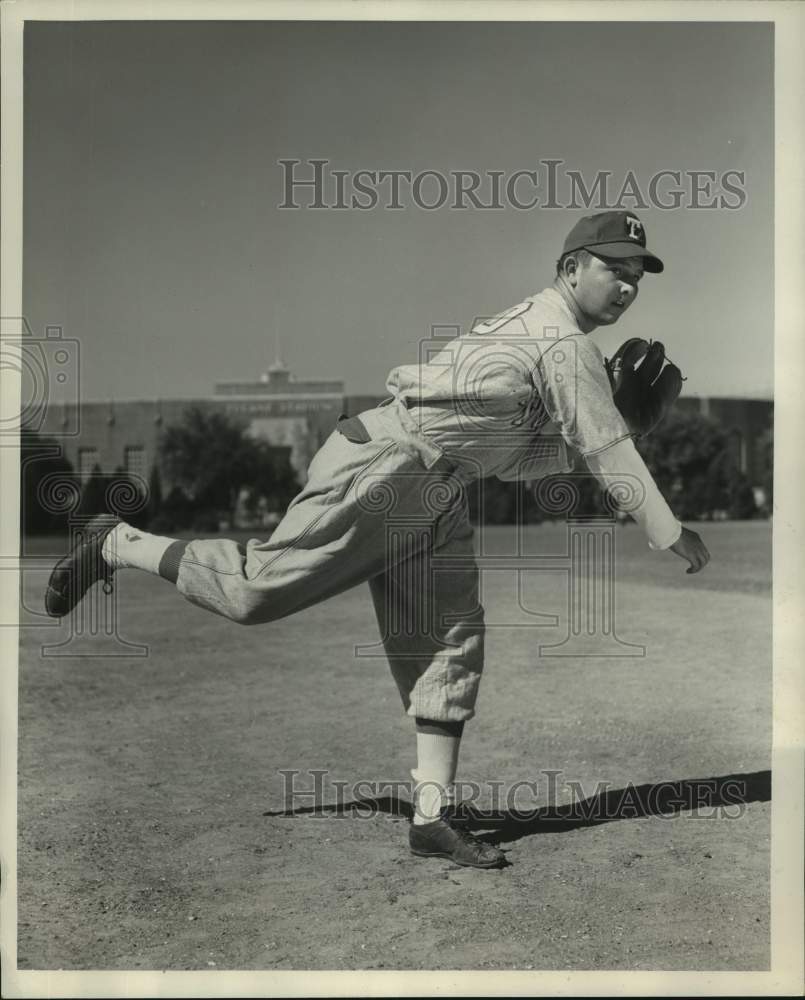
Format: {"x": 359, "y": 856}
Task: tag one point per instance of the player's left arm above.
{"x": 621, "y": 470}
{"x": 576, "y": 389}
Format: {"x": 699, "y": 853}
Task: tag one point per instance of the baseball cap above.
{"x": 613, "y": 234}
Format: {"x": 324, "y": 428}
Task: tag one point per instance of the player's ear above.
{"x": 570, "y": 269}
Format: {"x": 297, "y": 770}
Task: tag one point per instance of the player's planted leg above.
{"x": 433, "y": 833}
{"x": 437, "y": 746}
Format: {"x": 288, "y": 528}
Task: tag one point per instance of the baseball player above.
{"x": 385, "y": 501}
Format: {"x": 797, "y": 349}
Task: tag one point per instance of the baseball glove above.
{"x": 644, "y": 387}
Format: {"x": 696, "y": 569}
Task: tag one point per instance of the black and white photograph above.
{"x": 401, "y": 472}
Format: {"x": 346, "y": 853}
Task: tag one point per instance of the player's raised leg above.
{"x": 103, "y": 546}
{"x": 93, "y": 559}
{"x": 331, "y": 538}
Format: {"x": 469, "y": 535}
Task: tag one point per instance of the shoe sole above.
{"x": 462, "y": 864}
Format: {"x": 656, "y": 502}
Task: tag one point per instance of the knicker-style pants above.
{"x": 391, "y": 511}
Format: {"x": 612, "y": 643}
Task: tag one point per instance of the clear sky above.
{"x": 153, "y": 236}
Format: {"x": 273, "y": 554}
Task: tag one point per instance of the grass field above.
{"x": 153, "y": 832}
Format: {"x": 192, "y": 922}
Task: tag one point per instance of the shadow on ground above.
{"x": 664, "y": 798}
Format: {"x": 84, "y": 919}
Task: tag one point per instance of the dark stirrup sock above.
{"x": 171, "y": 557}
{"x": 431, "y": 726}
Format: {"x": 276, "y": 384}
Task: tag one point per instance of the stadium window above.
{"x": 135, "y": 462}
{"x": 88, "y": 458}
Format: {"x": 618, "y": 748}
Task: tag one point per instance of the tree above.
{"x": 127, "y": 497}
{"x": 742, "y": 504}
{"x": 689, "y": 457}
{"x": 274, "y": 482}
{"x": 210, "y": 458}
{"x": 154, "y": 495}
{"x": 93, "y": 494}
{"x": 765, "y": 465}
{"x": 175, "y": 513}
{"x": 42, "y": 457}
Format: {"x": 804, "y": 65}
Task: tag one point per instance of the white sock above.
{"x": 129, "y": 548}
{"x": 437, "y": 761}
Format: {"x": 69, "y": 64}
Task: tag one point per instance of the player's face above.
{"x": 606, "y": 287}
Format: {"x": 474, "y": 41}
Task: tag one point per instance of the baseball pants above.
{"x": 389, "y": 510}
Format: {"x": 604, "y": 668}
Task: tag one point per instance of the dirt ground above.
{"x": 153, "y": 830}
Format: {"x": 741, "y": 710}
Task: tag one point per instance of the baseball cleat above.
{"x": 84, "y": 566}
{"x": 441, "y": 839}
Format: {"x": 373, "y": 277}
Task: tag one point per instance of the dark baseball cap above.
{"x": 613, "y": 234}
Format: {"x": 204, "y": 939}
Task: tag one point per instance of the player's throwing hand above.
{"x": 690, "y": 546}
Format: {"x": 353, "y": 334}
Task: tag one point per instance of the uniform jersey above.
{"x": 507, "y": 398}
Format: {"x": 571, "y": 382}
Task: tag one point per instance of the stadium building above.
{"x": 297, "y": 415}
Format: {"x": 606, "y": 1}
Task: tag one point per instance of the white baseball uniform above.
{"x": 505, "y": 400}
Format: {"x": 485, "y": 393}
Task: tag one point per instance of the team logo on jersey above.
{"x": 635, "y": 228}
{"x": 482, "y": 327}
